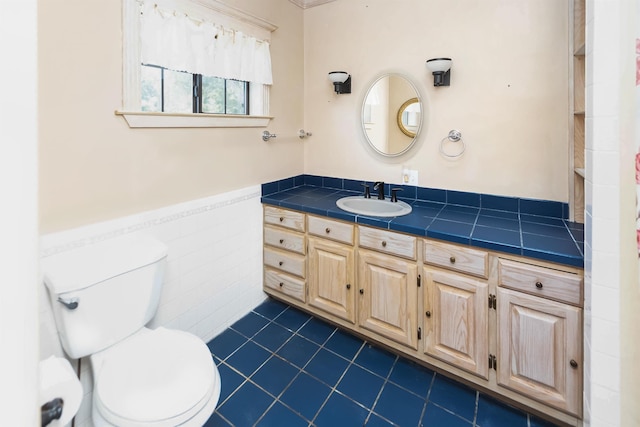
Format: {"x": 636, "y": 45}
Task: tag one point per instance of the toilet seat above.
{"x": 158, "y": 377}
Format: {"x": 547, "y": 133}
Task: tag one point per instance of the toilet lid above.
{"x": 155, "y": 376}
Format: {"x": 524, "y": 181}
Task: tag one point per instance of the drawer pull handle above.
{"x": 428, "y": 314}
{"x": 348, "y": 286}
{"x": 280, "y": 263}
{"x": 452, "y": 260}
{"x": 281, "y": 218}
{"x": 573, "y": 364}
{"x": 539, "y": 285}
{"x": 384, "y": 244}
{"x": 281, "y": 284}
{"x": 281, "y": 241}
{"x": 361, "y": 291}
{"x": 327, "y": 230}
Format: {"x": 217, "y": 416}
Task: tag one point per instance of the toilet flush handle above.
{"x": 70, "y": 303}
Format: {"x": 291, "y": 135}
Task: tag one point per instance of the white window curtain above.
{"x": 173, "y": 40}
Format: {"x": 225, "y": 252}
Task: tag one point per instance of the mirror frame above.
{"x": 401, "y": 125}
{"x": 419, "y": 99}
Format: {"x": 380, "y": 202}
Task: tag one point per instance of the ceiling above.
{"x": 305, "y": 4}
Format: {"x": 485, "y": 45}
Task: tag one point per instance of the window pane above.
{"x": 212, "y": 95}
{"x": 236, "y": 97}
{"x": 151, "y": 82}
{"x": 178, "y": 92}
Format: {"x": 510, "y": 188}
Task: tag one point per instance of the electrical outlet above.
{"x": 409, "y": 177}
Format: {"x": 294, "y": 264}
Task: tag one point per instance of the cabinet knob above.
{"x": 452, "y": 260}
{"x": 348, "y": 286}
{"x": 281, "y": 241}
{"x": 384, "y": 244}
{"x": 428, "y": 314}
{"x": 539, "y": 285}
{"x": 281, "y": 284}
{"x": 573, "y": 364}
{"x": 327, "y": 230}
{"x": 280, "y": 262}
{"x": 361, "y": 291}
{"x": 281, "y": 218}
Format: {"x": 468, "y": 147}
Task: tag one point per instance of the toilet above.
{"x": 102, "y": 296}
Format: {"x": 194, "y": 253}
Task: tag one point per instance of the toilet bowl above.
{"x": 154, "y": 378}
{"x": 103, "y": 295}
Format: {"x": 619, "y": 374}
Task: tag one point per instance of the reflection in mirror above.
{"x": 392, "y": 115}
{"x": 409, "y": 117}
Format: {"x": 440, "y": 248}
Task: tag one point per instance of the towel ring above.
{"x": 454, "y": 136}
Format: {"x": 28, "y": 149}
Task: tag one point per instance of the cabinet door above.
{"x": 331, "y": 278}
{"x": 388, "y": 296}
{"x": 539, "y": 349}
{"x": 456, "y": 321}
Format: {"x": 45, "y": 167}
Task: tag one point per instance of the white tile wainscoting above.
{"x": 214, "y": 267}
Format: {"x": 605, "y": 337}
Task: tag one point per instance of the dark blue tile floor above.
{"x": 284, "y": 368}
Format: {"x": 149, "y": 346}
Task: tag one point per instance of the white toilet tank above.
{"x": 104, "y": 292}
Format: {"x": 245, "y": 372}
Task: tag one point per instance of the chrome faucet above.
{"x": 379, "y": 185}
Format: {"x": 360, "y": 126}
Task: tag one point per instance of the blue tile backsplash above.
{"x": 533, "y": 228}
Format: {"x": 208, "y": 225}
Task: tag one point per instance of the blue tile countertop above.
{"x": 532, "y": 228}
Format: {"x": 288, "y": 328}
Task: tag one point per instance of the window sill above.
{"x": 143, "y": 119}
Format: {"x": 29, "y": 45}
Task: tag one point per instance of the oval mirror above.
{"x": 392, "y": 115}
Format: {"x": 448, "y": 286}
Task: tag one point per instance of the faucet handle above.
{"x": 394, "y": 194}
{"x": 367, "y": 193}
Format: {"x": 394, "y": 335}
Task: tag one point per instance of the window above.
{"x": 169, "y": 91}
{"x": 194, "y": 62}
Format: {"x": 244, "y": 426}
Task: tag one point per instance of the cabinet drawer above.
{"x": 329, "y": 229}
{"x": 388, "y": 242}
{"x": 284, "y": 218}
{"x": 541, "y": 281}
{"x": 285, "y": 261}
{"x": 284, "y": 283}
{"x": 284, "y": 239}
{"x": 465, "y": 260}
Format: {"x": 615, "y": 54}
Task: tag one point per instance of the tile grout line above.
{"x": 375, "y": 402}
{"x": 335, "y": 387}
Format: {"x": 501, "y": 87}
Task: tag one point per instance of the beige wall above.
{"x": 508, "y": 97}
{"x": 93, "y": 167}
{"x": 508, "y": 93}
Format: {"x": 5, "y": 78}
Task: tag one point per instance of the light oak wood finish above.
{"x": 387, "y": 242}
{"x": 388, "y": 293}
{"x": 465, "y": 260}
{"x": 456, "y": 322}
{"x": 288, "y": 285}
{"x": 539, "y": 281}
{"x": 392, "y": 308}
{"x": 328, "y": 229}
{"x": 285, "y": 261}
{"x": 577, "y": 60}
{"x": 284, "y": 218}
{"x": 579, "y": 21}
{"x": 286, "y": 240}
{"x": 540, "y": 349}
{"x": 332, "y": 285}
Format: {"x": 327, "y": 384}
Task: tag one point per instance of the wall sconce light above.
{"x": 441, "y": 69}
{"x": 341, "y": 81}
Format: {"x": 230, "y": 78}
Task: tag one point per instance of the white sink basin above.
{"x": 373, "y": 207}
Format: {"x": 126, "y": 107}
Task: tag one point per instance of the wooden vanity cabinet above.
{"x": 388, "y": 285}
{"x": 508, "y": 324}
{"x": 456, "y": 310}
{"x": 332, "y": 285}
{"x": 284, "y": 253}
{"x": 540, "y": 334}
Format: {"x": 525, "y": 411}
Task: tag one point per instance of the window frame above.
{"x": 131, "y": 87}
{"x": 197, "y": 97}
